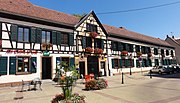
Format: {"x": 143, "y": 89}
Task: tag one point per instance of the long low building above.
{"x": 35, "y": 39}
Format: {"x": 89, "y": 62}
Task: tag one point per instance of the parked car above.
{"x": 175, "y": 68}
{"x": 161, "y": 70}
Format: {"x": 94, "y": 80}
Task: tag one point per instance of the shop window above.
{"x": 23, "y": 34}
{"x": 46, "y": 37}
{"x": 23, "y": 64}
{"x": 91, "y": 27}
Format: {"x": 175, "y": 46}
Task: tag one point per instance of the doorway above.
{"x": 92, "y": 64}
{"x": 103, "y": 68}
{"x": 46, "y": 68}
{"x": 82, "y": 69}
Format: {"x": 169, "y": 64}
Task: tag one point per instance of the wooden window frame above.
{"x": 63, "y": 40}
{"x": 91, "y": 27}
{"x": 29, "y": 65}
{"x": 46, "y": 31}
{"x": 23, "y": 34}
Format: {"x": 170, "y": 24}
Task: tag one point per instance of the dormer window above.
{"x": 91, "y": 27}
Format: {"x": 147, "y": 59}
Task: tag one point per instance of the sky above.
{"x": 155, "y": 22}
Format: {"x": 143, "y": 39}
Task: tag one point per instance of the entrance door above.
{"x": 103, "y": 68}
{"x": 82, "y": 69}
{"x": 46, "y": 68}
{"x": 92, "y": 63}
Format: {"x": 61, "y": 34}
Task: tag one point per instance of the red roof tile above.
{"x": 122, "y": 32}
{"x": 23, "y": 7}
{"x": 178, "y": 41}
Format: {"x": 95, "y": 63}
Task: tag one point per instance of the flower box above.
{"x": 124, "y": 53}
{"x": 89, "y": 49}
{"x": 96, "y": 84}
{"x": 93, "y": 34}
{"x": 98, "y": 51}
{"x": 139, "y": 54}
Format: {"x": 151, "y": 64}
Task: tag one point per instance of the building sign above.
{"x": 46, "y": 53}
{"x": 21, "y": 52}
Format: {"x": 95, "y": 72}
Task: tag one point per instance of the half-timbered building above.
{"x": 33, "y": 40}
{"x": 131, "y": 52}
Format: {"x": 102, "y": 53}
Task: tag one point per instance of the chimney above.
{"x": 173, "y": 37}
{"x": 167, "y": 36}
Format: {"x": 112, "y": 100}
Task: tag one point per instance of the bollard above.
{"x": 130, "y": 71}
{"x": 150, "y": 74}
{"x": 122, "y": 79}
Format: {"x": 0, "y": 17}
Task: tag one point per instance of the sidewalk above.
{"x": 136, "y": 89}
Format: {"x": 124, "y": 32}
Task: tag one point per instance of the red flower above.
{"x": 124, "y": 53}
{"x": 89, "y": 49}
{"x": 93, "y": 34}
{"x": 98, "y": 50}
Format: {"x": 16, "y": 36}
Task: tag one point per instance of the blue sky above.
{"x": 157, "y": 22}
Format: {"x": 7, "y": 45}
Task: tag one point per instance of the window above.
{"x": 167, "y": 52}
{"x": 148, "y": 50}
{"x": 143, "y": 49}
{"x": 155, "y": 51}
{"x": 88, "y": 42}
{"x": 66, "y": 60}
{"x": 91, "y": 27}
{"x": 116, "y": 63}
{"x": 137, "y": 48}
{"x": 124, "y": 46}
{"x": 97, "y": 43}
{"x": 172, "y": 53}
{"x": 23, "y": 64}
{"x": 46, "y": 37}
{"x": 114, "y": 46}
{"x": 162, "y": 51}
{"x": 64, "y": 38}
{"x": 130, "y": 47}
{"x": 156, "y": 62}
{"x": 23, "y": 34}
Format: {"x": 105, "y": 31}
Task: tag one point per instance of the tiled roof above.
{"x": 23, "y": 7}
{"x": 122, "y": 32}
{"x": 178, "y": 41}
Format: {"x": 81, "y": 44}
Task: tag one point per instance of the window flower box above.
{"x": 89, "y": 49}
{"x": 93, "y": 34}
{"x": 124, "y": 53}
{"x": 139, "y": 54}
{"x": 98, "y": 51}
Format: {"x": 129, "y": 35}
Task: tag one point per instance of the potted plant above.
{"x": 67, "y": 79}
{"x": 98, "y": 50}
{"x": 93, "y": 34}
{"x": 89, "y": 49}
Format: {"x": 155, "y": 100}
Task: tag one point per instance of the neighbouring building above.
{"x": 175, "y": 43}
{"x": 133, "y": 51}
{"x": 33, "y": 40}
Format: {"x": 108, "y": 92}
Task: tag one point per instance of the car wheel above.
{"x": 160, "y": 72}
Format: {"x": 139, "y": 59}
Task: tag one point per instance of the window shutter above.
{"x": 3, "y": 65}
{"x": 12, "y": 65}
{"x": 33, "y": 35}
{"x": 33, "y": 64}
{"x": 14, "y": 32}
{"x": 102, "y": 44}
{"x": 58, "y": 38}
{"x": 112, "y": 45}
{"x": 137, "y": 63}
{"x": 39, "y": 35}
{"x": 112, "y": 63}
{"x": 147, "y": 62}
{"x": 72, "y": 61}
{"x": 126, "y": 62}
{"x": 0, "y": 30}
{"x": 54, "y": 37}
{"x": 119, "y": 46}
{"x": 127, "y": 47}
{"x": 71, "y": 39}
{"x": 83, "y": 42}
